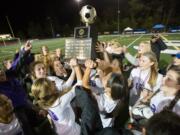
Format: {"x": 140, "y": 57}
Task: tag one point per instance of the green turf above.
{"x": 8, "y": 51}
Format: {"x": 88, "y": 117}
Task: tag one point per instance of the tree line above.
{"x": 133, "y": 13}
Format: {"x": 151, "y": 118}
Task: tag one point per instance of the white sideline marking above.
{"x": 134, "y": 41}
{"x": 167, "y": 51}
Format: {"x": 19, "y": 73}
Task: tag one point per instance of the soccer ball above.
{"x": 88, "y": 14}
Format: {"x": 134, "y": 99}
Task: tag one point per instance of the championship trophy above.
{"x": 82, "y": 46}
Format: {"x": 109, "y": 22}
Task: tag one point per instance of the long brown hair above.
{"x": 154, "y": 68}
{"x": 32, "y": 68}
{"x": 6, "y": 110}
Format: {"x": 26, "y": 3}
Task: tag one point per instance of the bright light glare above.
{"x": 78, "y": 0}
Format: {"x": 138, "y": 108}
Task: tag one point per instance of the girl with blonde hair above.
{"x": 144, "y": 79}
{"x": 143, "y": 47}
{"x": 57, "y": 103}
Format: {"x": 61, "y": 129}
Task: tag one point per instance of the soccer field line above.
{"x": 130, "y": 44}
{"x": 6, "y": 51}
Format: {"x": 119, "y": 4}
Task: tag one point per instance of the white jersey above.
{"x": 63, "y": 116}
{"x": 60, "y": 84}
{"x": 159, "y": 101}
{"x": 106, "y": 105}
{"x": 95, "y": 82}
{"x": 132, "y": 59}
{"x": 140, "y": 80}
{"x": 12, "y": 128}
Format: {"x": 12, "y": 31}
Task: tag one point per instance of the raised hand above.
{"x": 28, "y": 46}
{"x": 90, "y": 63}
{"x": 73, "y": 62}
{"x": 110, "y": 47}
{"x": 100, "y": 47}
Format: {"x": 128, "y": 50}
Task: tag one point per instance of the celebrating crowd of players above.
{"x": 43, "y": 94}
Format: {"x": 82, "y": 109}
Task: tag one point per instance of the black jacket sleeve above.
{"x": 90, "y": 118}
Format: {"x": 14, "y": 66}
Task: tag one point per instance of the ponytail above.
{"x": 153, "y": 76}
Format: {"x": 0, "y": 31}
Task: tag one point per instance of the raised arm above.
{"x": 76, "y": 68}
{"x": 70, "y": 80}
{"x": 133, "y": 60}
{"x": 89, "y": 64}
{"x": 101, "y": 47}
{"x": 20, "y": 61}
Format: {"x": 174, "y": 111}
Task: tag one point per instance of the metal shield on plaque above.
{"x": 82, "y": 32}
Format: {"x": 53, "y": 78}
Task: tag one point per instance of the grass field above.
{"x": 8, "y": 51}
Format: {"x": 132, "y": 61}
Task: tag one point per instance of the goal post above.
{"x": 6, "y": 39}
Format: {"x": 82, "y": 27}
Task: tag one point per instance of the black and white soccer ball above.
{"x": 88, "y": 14}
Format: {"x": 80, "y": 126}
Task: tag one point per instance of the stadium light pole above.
{"x": 118, "y": 19}
{"x": 51, "y": 26}
{"x": 78, "y": 2}
{"x": 10, "y": 26}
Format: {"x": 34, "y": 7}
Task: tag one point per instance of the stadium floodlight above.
{"x": 51, "y": 26}
{"x": 78, "y": 1}
{"x": 118, "y": 19}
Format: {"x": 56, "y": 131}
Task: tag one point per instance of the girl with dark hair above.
{"x": 119, "y": 91}
{"x": 111, "y": 57}
{"x": 114, "y": 100}
{"x": 59, "y": 70}
{"x": 168, "y": 97}
{"x": 163, "y": 123}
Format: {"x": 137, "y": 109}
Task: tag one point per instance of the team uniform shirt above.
{"x": 61, "y": 84}
{"x": 140, "y": 80}
{"x": 95, "y": 82}
{"x": 132, "y": 59}
{"x": 63, "y": 116}
{"x": 13, "y": 128}
{"x": 106, "y": 105}
{"x": 159, "y": 101}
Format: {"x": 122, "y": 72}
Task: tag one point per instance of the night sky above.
{"x": 65, "y": 11}
{"x": 21, "y": 13}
